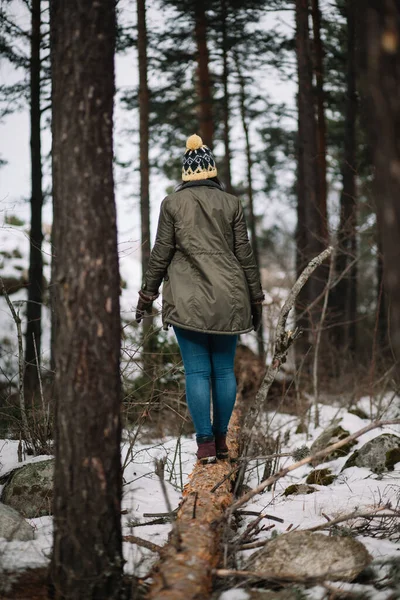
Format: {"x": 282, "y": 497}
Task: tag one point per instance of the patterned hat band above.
{"x": 198, "y": 161}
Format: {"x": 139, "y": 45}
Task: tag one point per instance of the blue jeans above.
{"x": 208, "y": 358}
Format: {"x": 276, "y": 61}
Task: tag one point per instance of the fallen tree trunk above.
{"x": 187, "y": 561}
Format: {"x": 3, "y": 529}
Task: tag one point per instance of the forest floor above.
{"x": 353, "y": 489}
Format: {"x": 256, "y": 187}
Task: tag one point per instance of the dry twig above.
{"x": 356, "y": 515}
{"x": 133, "y": 539}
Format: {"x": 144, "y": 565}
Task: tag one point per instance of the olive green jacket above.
{"x": 202, "y": 252}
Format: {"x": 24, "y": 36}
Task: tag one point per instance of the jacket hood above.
{"x": 204, "y": 182}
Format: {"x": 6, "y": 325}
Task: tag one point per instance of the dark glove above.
{"x": 256, "y": 311}
{"x": 144, "y": 305}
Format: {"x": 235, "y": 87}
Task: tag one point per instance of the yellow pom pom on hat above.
{"x": 198, "y": 161}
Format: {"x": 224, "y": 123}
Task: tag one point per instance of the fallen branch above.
{"x": 283, "y": 341}
{"x": 305, "y": 461}
{"x": 272, "y": 577}
{"x": 252, "y": 545}
{"x": 318, "y": 340}
{"x": 133, "y": 539}
{"x": 355, "y": 515}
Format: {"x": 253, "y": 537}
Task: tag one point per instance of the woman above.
{"x": 211, "y": 292}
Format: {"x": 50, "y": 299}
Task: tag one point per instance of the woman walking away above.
{"x": 211, "y": 291}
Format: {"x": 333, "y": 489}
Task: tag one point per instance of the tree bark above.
{"x": 309, "y": 228}
{"x": 225, "y": 101}
{"x": 381, "y": 300}
{"x": 206, "y": 121}
{"x": 321, "y": 123}
{"x": 250, "y": 190}
{"x": 35, "y": 286}
{"x": 87, "y": 552}
{"x": 380, "y": 69}
{"x": 344, "y": 305}
{"x": 144, "y": 99}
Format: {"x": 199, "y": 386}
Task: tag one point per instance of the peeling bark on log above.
{"x": 186, "y": 565}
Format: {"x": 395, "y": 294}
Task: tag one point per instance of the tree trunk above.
{"x": 144, "y": 98}
{"x": 321, "y": 124}
{"x": 380, "y": 66}
{"x": 206, "y": 122}
{"x": 144, "y": 134}
{"x": 309, "y": 228}
{"x": 35, "y": 287}
{"x": 381, "y": 301}
{"x": 87, "y": 553}
{"x": 225, "y": 100}
{"x": 344, "y": 305}
{"x": 250, "y": 190}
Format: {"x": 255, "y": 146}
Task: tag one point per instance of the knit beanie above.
{"x": 198, "y": 161}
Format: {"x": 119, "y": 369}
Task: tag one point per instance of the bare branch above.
{"x": 318, "y": 340}
{"x": 356, "y": 515}
{"x": 132, "y": 539}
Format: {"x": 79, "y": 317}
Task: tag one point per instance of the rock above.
{"x": 13, "y": 526}
{"x": 299, "y": 488}
{"x": 321, "y": 477}
{"x": 392, "y": 458}
{"x": 30, "y": 489}
{"x": 334, "y": 433}
{"x": 358, "y": 412}
{"x": 377, "y": 454}
{"x": 304, "y": 554}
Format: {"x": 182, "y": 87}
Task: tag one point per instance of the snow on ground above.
{"x": 353, "y": 489}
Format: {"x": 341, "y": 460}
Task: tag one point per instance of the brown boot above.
{"x": 221, "y": 446}
{"x": 206, "y": 453}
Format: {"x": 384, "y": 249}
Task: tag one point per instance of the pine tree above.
{"x": 309, "y": 234}
{"x": 35, "y": 284}
{"x": 345, "y": 293}
{"x": 379, "y": 32}
{"x": 87, "y": 552}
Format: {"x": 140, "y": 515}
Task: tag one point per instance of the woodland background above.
{"x": 299, "y": 102}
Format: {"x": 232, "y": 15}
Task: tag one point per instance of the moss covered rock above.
{"x": 299, "y": 488}
{"x": 334, "y": 433}
{"x": 373, "y": 455}
{"x": 13, "y": 526}
{"x": 30, "y": 489}
{"x": 392, "y": 458}
{"x": 358, "y": 412}
{"x": 321, "y": 477}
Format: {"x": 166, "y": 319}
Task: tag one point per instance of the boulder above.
{"x": 303, "y": 554}
{"x": 298, "y": 489}
{"x": 378, "y": 454}
{"x": 13, "y": 526}
{"x": 334, "y": 433}
{"x": 320, "y": 477}
{"x": 30, "y": 489}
